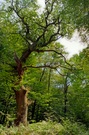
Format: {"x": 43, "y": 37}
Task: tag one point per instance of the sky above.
{"x": 72, "y": 46}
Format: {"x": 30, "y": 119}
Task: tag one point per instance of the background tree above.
{"x": 79, "y": 88}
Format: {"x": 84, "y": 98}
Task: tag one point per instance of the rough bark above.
{"x": 22, "y": 106}
{"x": 21, "y": 95}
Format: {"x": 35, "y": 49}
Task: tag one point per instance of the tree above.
{"x": 78, "y": 97}
{"x": 28, "y": 32}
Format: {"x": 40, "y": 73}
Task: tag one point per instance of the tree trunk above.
{"x": 65, "y": 100}
{"x": 66, "y": 85}
{"x": 21, "y": 95}
{"x": 33, "y": 109}
{"x": 22, "y": 106}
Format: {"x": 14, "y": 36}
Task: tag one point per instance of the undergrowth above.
{"x": 46, "y": 128}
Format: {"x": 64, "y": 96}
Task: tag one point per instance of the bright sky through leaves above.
{"x": 73, "y": 46}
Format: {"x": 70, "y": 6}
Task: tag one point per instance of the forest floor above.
{"x": 46, "y": 128}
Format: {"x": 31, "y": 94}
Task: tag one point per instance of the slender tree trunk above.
{"x": 65, "y": 100}
{"x": 33, "y": 109}
{"x": 22, "y": 106}
{"x": 66, "y": 85}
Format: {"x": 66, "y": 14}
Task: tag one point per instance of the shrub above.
{"x": 47, "y": 128}
{"x": 74, "y": 128}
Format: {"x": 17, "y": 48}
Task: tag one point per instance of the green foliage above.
{"x": 78, "y": 98}
{"x": 46, "y": 128}
{"x": 24, "y": 30}
{"x": 74, "y": 128}
{"x": 41, "y": 128}
{"x": 78, "y": 15}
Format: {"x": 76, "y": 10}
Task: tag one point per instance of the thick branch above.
{"x": 47, "y": 66}
{"x": 55, "y": 23}
{"x": 25, "y": 55}
{"x": 56, "y": 53}
{"x": 18, "y": 65}
{"x": 48, "y": 12}
{"x": 26, "y": 25}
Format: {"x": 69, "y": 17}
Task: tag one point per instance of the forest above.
{"x": 42, "y": 91}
